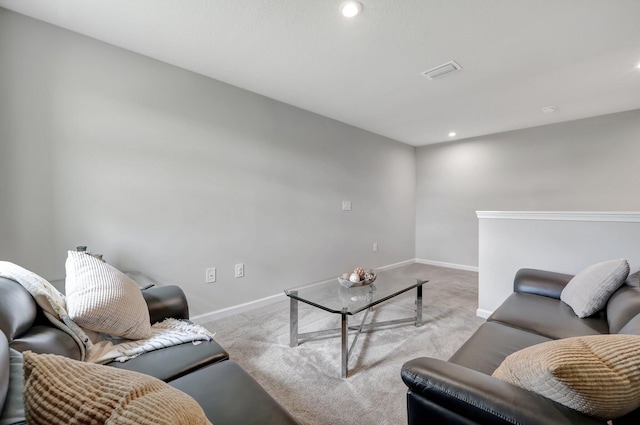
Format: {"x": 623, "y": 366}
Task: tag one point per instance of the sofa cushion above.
{"x": 589, "y": 290}
{"x": 230, "y": 396}
{"x": 632, "y": 327}
{"x": 623, "y": 306}
{"x": 103, "y": 299}
{"x": 13, "y": 408}
{"x": 596, "y": 375}
{"x": 547, "y": 316}
{"x": 17, "y": 308}
{"x": 175, "y": 361}
{"x": 47, "y": 339}
{"x": 490, "y": 344}
{"x": 4, "y": 367}
{"x": 540, "y": 282}
{"x": 91, "y": 393}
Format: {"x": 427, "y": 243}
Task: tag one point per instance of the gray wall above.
{"x": 585, "y": 165}
{"x": 168, "y": 172}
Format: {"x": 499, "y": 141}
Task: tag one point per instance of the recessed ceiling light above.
{"x": 452, "y": 134}
{"x": 549, "y": 109}
{"x": 638, "y": 65}
{"x": 349, "y": 9}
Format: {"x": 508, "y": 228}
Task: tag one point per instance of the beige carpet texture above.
{"x": 306, "y": 379}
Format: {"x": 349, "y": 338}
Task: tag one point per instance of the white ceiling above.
{"x": 518, "y": 56}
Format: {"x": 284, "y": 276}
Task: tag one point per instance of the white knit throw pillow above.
{"x": 103, "y": 299}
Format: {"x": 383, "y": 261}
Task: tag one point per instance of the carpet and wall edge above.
{"x": 262, "y": 302}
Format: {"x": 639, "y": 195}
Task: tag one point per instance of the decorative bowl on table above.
{"x": 359, "y": 277}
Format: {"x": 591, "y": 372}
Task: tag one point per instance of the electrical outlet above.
{"x": 210, "y": 275}
{"x": 375, "y": 247}
{"x": 346, "y": 205}
{"x": 240, "y": 270}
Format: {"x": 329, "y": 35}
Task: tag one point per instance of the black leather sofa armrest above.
{"x": 165, "y": 302}
{"x": 540, "y": 282}
{"x": 446, "y": 393}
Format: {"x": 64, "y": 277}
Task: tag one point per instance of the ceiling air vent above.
{"x": 442, "y": 70}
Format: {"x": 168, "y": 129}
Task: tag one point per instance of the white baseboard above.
{"x": 242, "y": 308}
{"x": 483, "y": 313}
{"x": 236, "y": 309}
{"x": 395, "y": 265}
{"x": 448, "y": 265}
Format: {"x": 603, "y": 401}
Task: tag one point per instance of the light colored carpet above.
{"x": 306, "y": 379}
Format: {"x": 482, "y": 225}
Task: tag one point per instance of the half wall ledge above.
{"x": 560, "y": 241}
{"x": 623, "y": 216}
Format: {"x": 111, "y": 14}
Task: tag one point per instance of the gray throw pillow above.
{"x": 589, "y": 290}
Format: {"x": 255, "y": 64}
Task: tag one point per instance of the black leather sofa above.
{"x": 462, "y": 390}
{"x": 227, "y": 394}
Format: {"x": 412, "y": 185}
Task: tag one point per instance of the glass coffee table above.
{"x": 334, "y": 298}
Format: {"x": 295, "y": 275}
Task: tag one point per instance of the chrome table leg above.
{"x": 419, "y": 305}
{"x": 345, "y": 344}
{"x": 293, "y": 323}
